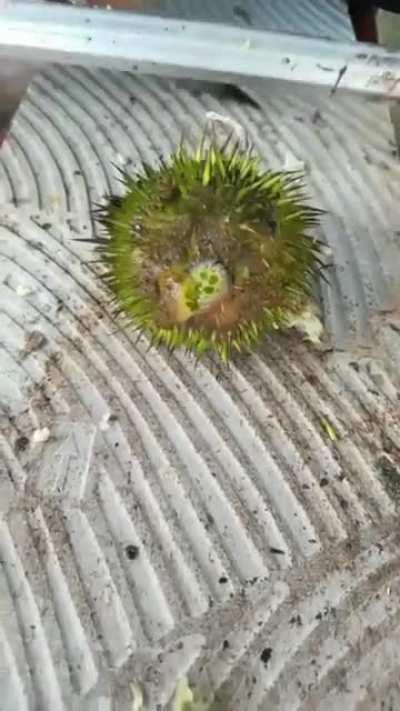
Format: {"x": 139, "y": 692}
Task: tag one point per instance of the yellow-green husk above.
{"x": 209, "y": 252}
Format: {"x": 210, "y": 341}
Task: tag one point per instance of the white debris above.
{"x": 40, "y": 435}
{"x": 104, "y": 423}
{"x": 137, "y": 697}
{"x": 122, "y": 160}
{"x": 232, "y": 124}
{"x": 22, "y": 290}
{"x": 293, "y": 164}
{"x": 308, "y": 323}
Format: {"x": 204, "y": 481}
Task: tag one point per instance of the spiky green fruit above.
{"x": 210, "y": 252}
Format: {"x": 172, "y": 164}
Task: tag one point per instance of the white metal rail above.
{"x": 42, "y": 33}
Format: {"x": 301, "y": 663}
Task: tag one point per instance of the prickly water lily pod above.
{"x": 209, "y": 252}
